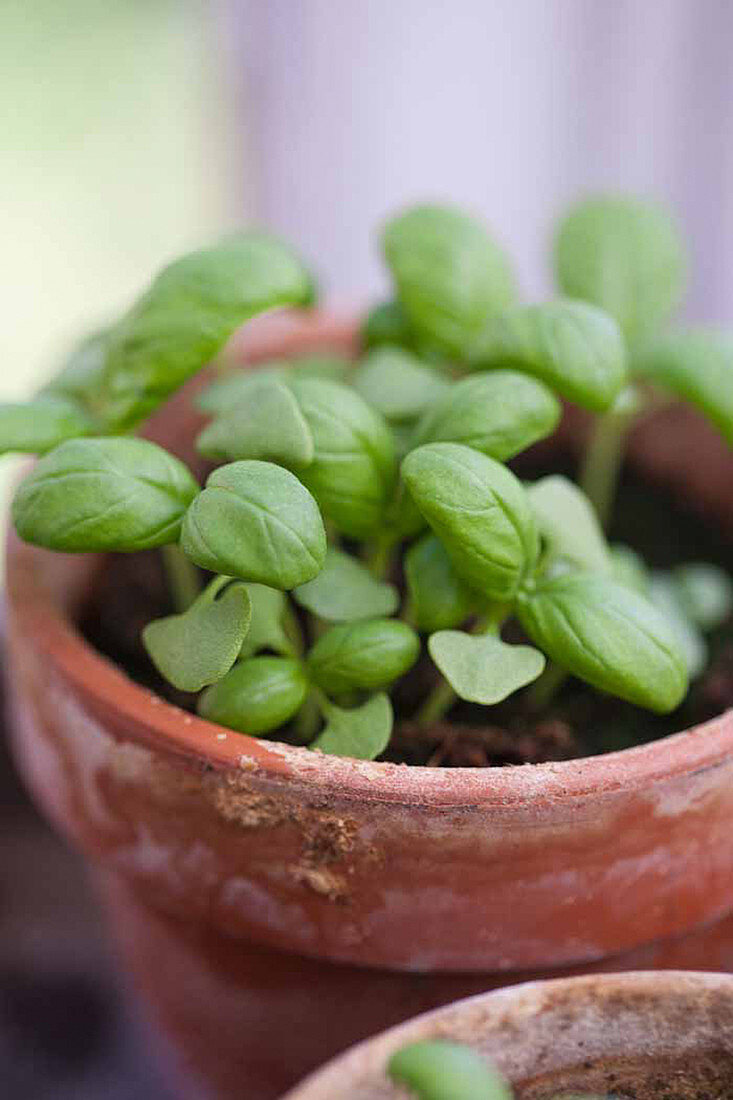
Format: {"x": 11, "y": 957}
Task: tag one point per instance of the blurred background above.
{"x": 135, "y": 129}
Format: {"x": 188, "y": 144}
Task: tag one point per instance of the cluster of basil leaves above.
{"x": 438, "y": 1069}
{"x": 329, "y": 472}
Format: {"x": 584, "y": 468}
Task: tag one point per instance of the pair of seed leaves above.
{"x": 438, "y": 1069}
{"x": 621, "y": 257}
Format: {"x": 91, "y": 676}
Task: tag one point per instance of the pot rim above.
{"x": 469, "y": 1016}
{"x": 151, "y": 720}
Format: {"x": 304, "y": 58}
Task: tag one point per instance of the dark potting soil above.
{"x": 699, "y": 1076}
{"x": 130, "y": 591}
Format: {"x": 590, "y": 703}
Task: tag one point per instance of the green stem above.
{"x": 601, "y": 465}
{"x": 308, "y": 719}
{"x": 182, "y": 577}
{"x": 539, "y": 696}
{"x": 378, "y": 555}
{"x": 437, "y": 704}
{"x": 442, "y": 697}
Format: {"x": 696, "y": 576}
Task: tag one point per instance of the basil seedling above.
{"x": 437, "y": 1069}
{"x": 362, "y": 555}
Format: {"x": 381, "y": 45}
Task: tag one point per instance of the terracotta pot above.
{"x": 226, "y": 851}
{"x": 642, "y": 1035}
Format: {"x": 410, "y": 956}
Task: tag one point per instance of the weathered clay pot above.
{"x": 220, "y": 852}
{"x": 643, "y": 1035}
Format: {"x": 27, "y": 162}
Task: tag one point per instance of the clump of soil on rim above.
{"x": 699, "y": 1076}
{"x": 130, "y": 591}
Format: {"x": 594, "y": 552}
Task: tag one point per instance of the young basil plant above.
{"x": 361, "y": 521}
{"x": 438, "y": 1069}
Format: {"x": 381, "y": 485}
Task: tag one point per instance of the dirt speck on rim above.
{"x": 328, "y": 841}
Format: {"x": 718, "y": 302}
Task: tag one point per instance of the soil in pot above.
{"x": 130, "y": 591}
{"x": 702, "y": 1076}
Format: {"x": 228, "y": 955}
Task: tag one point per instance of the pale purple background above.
{"x": 511, "y": 107}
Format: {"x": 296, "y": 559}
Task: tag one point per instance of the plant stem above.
{"x": 442, "y": 697}
{"x": 601, "y": 465}
{"x": 437, "y": 704}
{"x": 308, "y": 719}
{"x": 539, "y": 696}
{"x": 182, "y": 577}
{"x": 378, "y": 555}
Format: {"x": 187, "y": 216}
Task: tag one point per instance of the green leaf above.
{"x": 80, "y": 377}
{"x": 257, "y": 696}
{"x": 330, "y": 368}
{"x": 367, "y": 655}
{"x": 190, "y": 310}
{"x": 451, "y": 278}
{"x": 35, "y": 427}
{"x": 386, "y": 323}
{"x": 629, "y": 568}
{"x": 624, "y": 255}
{"x": 267, "y": 423}
{"x": 569, "y": 524}
{"x": 665, "y": 597}
{"x": 267, "y": 625}
{"x": 199, "y": 647}
{"x": 575, "y": 348}
{"x": 609, "y": 636}
{"x": 480, "y": 512}
{"x": 353, "y": 472}
{"x": 234, "y": 387}
{"x": 436, "y": 1069}
{"x": 438, "y": 597}
{"x": 345, "y": 591}
{"x": 256, "y": 521}
{"x": 362, "y": 733}
{"x": 104, "y": 494}
{"x": 500, "y": 414}
{"x": 696, "y": 365}
{"x": 397, "y": 384}
{"x": 706, "y": 593}
{"x": 482, "y": 668}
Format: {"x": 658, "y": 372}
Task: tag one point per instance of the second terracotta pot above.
{"x": 221, "y": 845}
{"x": 646, "y": 1036}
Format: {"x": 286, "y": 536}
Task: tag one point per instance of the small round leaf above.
{"x": 451, "y": 278}
{"x": 438, "y": 597}
{"x": 706, "y": 593}
{"x": 609, "y": 636}
{"x": 436, "y": 1069}
{"x": 36, "y": 427}
{"x": 397, "y": 383}
{"x": 198, "y": 647}
{"x": 104, "y": 494}
{"x": 482, "y": 668}
{"x": 696, "y": 365}
{"x": 353, "y": 470}
{"x": 266, "y": 423}
{"x": 345, "y": 591}
{"x": 361, "y": 733}
{"x": 575, "y": 348}
{"x": 568, "y": 523}
{"x": 256, "y": 521}
{"x": 188, "y": 313}
{"x": 367, "y": 655}
{"x": 257, "y": 696}
{"x": 499, "y": 413}
{"x": 624, "y": 255}
{"x": 480, "y": 512}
